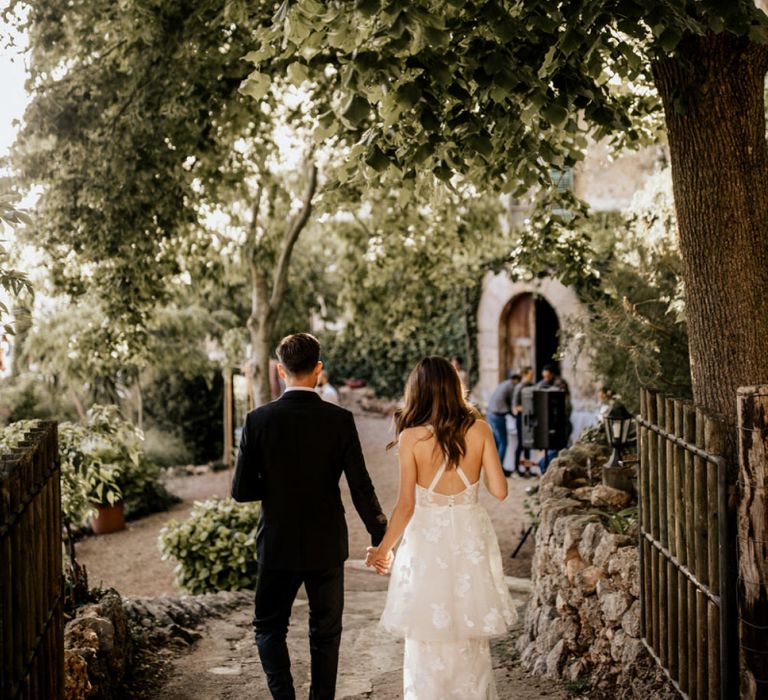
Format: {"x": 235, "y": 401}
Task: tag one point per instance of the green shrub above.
{"x": 144, "y": 492}
{"x": 166, "y": 448}
{"x": 190, "y": 407}
{"x": 101, "y": 462}
{"x": 30, "y": 396}
{"x": 215, "y": 547}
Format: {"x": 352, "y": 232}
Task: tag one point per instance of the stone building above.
{"x": 519, "y": 323}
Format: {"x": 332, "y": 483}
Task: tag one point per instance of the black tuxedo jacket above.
{"x": 292, "y": 454}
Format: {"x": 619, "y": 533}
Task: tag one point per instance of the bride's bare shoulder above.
{"x": 479, "y": 429}
{"x": 414, "y": 434}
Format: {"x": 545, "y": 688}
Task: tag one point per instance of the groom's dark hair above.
{"x": 298, "y": 353}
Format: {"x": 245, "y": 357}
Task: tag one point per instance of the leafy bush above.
{"x": 190, "y": 407}
{"x": 215, "y": 547}
{"x": 29, "y": 396}
{"x": 144, "y": 491}
{"x": 165, "y": 448}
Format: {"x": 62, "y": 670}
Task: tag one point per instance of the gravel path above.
{"x": 224, "y": 663}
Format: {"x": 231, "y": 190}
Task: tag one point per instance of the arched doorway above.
{"x": 528, "y": 334}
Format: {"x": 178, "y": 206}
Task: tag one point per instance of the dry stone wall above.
{"x": 583, "y": 621}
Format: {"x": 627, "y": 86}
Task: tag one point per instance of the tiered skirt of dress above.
{"x": 447, "y": 596}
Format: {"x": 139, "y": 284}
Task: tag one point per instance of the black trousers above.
{"x": 275, "y": 593}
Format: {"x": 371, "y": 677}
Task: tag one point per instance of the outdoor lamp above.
{"x": 617, "y": 424}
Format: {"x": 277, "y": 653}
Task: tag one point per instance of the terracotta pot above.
{"x": 108, "y": 519}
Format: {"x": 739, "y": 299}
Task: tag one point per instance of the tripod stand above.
{"x": 531, "y": 527}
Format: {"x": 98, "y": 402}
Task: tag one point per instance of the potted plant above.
{"x": 113, "y": 447}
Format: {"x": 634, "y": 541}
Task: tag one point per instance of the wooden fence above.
{"x": 31, "y": 582}
{"x": 687, "y": 545}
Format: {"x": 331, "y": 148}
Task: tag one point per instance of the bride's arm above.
{"x": 406, "y": 501}
{"x": 493, "y": 474}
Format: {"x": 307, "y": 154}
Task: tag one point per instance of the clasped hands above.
{"x": 379, "y": 559}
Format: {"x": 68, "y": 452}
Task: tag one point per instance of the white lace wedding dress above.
{"x": 447, "y": 596}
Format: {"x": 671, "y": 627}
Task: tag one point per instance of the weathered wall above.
{"x": 607, "y": 182}
{"x": 583, "y": 620}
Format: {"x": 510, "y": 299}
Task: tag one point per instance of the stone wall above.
{"x": 107, "y": 642}
{"x": 583, "y": 621}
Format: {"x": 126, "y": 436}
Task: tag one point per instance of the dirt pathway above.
{"x": 224, "y": 663}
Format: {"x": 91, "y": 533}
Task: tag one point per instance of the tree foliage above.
{"x": 14, "y": 282}
{"x": 498, "y": 92}
{"x": 132, "y": 124}
{"x": 410, "y": 280}
{"x": 635, "y": 332}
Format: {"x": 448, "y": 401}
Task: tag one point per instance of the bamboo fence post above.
{"x": 716, "y": 444}
{"x": 643, "y": 509}
{"x": 701, "y": 517}
{"x": 685, "y": 551}
{"x": 661, "y": 600}
{"x": 671, "y": 482}
{"x": 653, "y": 525}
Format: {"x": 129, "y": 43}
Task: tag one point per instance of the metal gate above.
{"x": 687, "y": 547}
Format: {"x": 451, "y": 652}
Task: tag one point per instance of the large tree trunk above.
{"x": 712, "y": 93}
{"x": 714, "y": 105}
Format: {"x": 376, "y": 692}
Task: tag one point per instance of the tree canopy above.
{"x": 498, "y": 92}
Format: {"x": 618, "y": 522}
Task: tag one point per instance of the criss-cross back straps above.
{"x": 463, "y": 476}
{"x": 441, "y": 471}
{"x": 437, "y": 476}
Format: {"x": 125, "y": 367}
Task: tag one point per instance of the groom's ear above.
{"x": 281, "y": 370}
{"x": 318, "y": 367}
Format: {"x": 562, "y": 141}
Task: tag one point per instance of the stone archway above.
{"x": 498, "y": 314}
{"x": 528, "y": 334}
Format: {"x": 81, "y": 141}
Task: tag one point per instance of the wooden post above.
{"x": 653, "y": 525}
{"x": 661, "y": 600}
{"x": 685, "y": 551}
{"x": 752, "y": 530}
{"x": 701, "y": 554}
{"x": 672, "y": 483}
{"x": 228, "y": 418}
{"x": 643, "y": 510}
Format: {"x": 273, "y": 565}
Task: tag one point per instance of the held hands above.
{"x": 380, "y": 560}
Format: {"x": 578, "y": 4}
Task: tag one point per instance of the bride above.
{"x": 447, "y": 594}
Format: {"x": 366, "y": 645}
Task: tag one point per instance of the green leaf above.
{"x": 297, "y": 73}
{"x": 256, "y": 85}
{"x": 482, "y": 144}
{"x": 669, "y": 39}
{"x": 367, "y": 7}
{"x": 555, "y": 114}
{"x": 408, "y": 95}
{"x": 356, "y": 110}
{"x": 377, "y": 159}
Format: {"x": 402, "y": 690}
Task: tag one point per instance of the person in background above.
{"x": 605, "y": 397}
{"x": 548, "y": 377}
{"x": 517, "y": 411}
{"x": 458, "y": 365}
{"x": 326, "y": 390}
{"x": 499, "y": 407}
{"x": 5, "y": 351}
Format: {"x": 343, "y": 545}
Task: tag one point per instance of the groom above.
{"x": 292, "y": 454}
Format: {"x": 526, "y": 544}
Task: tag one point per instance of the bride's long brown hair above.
{"x": 434, "y": 395}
